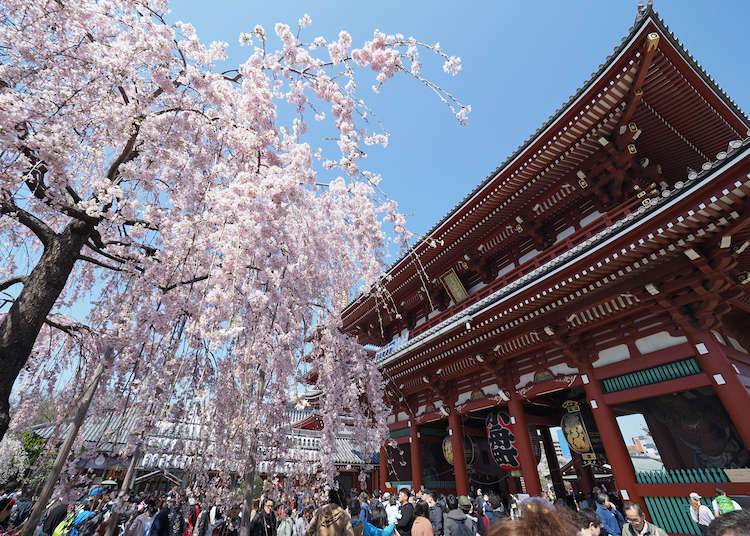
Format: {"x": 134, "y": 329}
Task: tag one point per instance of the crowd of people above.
{"x": 424, "y": 513}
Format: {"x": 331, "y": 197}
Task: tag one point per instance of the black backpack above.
{"x": 466, "y": 528}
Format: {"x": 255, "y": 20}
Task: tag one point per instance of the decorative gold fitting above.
{"x": 632, "y": 126}
{"x": 583, "y": 184}
{"x": 631, "y": 148}
{"x": 519, "y": 228}
{"x": 641, "y": 194}
{"x": 653, "y": 41}
{"x": 639, "y": 92}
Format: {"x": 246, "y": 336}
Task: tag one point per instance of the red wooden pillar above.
{"x": 617, "y": 452}
{"x": 585, "y": 478}
{"x": 523, "y": 441}
{"x": 553, "y": 463}
{"x": 383, "y": 469}
{"x": 459, "y": 457}
{"x": 725, "y": 382}
{"x": 416, "y": 456}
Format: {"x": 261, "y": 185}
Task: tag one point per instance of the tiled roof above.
{"x": 167, "y": 444}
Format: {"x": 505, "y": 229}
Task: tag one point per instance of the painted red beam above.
{"x": 657, "y": 389}
{"x": 705, "y": 489}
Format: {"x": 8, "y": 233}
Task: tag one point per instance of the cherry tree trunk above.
{"x": 20, "y": 327}
{"x": 62, "y": 455}
{"x": 114, "y": 518}
{"x": 247, "y": 505}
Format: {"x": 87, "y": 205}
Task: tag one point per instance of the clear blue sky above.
{"x": 521, "y": 60}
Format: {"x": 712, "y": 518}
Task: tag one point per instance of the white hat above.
{"x": 695, "y": 496}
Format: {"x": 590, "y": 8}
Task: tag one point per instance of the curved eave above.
{"x": 646, "y": 20}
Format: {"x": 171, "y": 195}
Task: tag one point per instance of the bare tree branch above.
{"x": 43, "y": 232}
{"x": 188, "y": 282}
{"x": 12, "y": 281}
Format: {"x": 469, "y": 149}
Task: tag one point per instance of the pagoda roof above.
{"x": 646, "y": 16}
{"x": 481, "y": 321}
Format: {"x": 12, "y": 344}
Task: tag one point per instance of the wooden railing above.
{"x": 681, "y": 476}
{"x": 651, "y": 375}
{"x": 673, "y": 514}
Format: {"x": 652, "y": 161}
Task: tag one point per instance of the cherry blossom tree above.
{"x": 214, "y": 238}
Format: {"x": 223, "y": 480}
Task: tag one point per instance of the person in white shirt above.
{"x": 700, "y": 513}
{"x": 723, "y": 504}
{"x": 392, "y": 510}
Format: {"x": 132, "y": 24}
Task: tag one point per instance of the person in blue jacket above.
{"x": 366, "y": 528}
{"x": 612, "y": 520}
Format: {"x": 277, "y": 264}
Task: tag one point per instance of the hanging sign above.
{"x": 453, "y": 285}
{"x": 501, "y": 440}
{"x": 581, "y": 433}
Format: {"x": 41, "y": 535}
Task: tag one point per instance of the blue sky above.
{"x": 521, "y": 61}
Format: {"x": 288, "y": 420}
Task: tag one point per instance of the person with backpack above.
{"x": 723, "y": 504}
{"x": 456, "y": 522}
{"x": 57, "y": 511}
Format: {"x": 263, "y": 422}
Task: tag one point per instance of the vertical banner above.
{"x": 501, "y": 440}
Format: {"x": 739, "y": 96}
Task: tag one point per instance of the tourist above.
{"x": 723, "y": 504}
{"x": 264, "y": 523}
{"x": 456, "y": 522}
{"x": 495, "y": 510}
{"x": 421, "y": 525}
{"x": 286, "y": 525}
{"x": 734, "y": 523}
{"x": 636, "y": 522}
{"x": 473, "y": 512}
{"x": 588, "y": 522}
{"x": 379, "y": 525}
{"x": 364, "y": 512}
{"x": 330, "y": 519}
{"x": 392, "y": 509}
{"x": 56, "y": 512}
{"x": 177, "y": 524}
{"x": 160, "y": 523}
{"x": 142, "y": 523}
{"x": 406, "y": 512}
{"x": 612, "y": 520}
{"x": 303, "y": 518}
{"x": 435, "y": 514}
{"x": 513, "y": 505}
{"x": 538, "y": 517}
{"x": 700, "y": 513}
{"x": 6, "y": 505}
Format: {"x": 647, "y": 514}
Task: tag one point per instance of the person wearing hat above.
{"x": 700, "y": 513}
{"x": 456, "y": 522}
